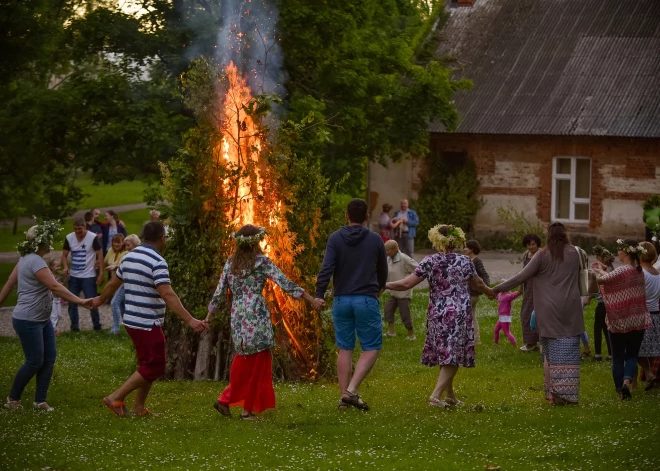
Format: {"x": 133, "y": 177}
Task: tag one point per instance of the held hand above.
{"x": 66, "y": 271}
{"x": 88, "y": 303}
{"x": 96, "y": 302}
{"x": 490, "y": 293}
{"x": 198, "y": 326}
{"x": 318, "y": 304}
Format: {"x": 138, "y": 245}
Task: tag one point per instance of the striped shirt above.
{"x": 83, "y": 254}
{"x": 142, "y": 271}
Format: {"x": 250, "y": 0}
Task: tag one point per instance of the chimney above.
{"x": 464, "y": 3}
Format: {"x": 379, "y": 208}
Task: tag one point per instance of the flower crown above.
{"x": 455, "y": 237}
{"x": 245, "y": 241}
{"x": 39, "y": 236}
{"x": 629, "y": 248}
{"x": 603, "y": 253}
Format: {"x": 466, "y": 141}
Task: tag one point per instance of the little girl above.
{"x": 56, "y": 311}
{"x": 504, "y": 301}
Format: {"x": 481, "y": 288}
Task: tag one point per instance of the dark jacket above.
{"x": 106, "y": 235}
{"x": 483, "y": 274}
{"x": 356, "y": 261}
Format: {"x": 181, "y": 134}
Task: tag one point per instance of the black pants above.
{"x": 601, "y": 329}
{"x": 625, "y": 350}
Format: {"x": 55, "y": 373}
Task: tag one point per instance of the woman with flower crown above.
{"x": 627, "y": 316}
{"x": 449, "y": 330}
{"x": 244, "y": 275}
{"x": 31, "y": 316}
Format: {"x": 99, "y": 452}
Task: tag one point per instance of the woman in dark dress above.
{"x": 530, "y": 337}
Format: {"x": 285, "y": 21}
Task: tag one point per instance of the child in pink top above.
{"x": 504, "y": 301}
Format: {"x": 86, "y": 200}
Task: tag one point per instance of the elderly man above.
{"x": 405, "y": 233}
{"x": 399, "y": 267}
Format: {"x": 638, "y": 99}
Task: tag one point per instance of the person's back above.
{"x": 652, "y": 288}
{"x": 34, "y": 298}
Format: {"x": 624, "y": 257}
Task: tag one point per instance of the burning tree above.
{"x": 236, "y": 169}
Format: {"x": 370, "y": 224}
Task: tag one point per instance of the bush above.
{"x": 448, "y": 194}
{"x": 519, "y": 226}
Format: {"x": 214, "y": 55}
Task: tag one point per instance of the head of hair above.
{"x": 474, "y": 246}
{"x": 391, "y": 244}
{"x": 89, "y": 216}
{"x": 387, "y": 208}
{"x": 114, "y": 214}
{"x": 52, "y": 261}
{"x": 357, "y": 211}
{"x": 79, "y": 222}
{"x": 603, "y": 255}
{"x": 557, "y": 240}
{"x": 245, "y": 255}
{"x": 651, "y": 254}
{"x": 531, "y": 238}
{"x": 633, "y": 256}
{"x": 153, "y": 231}
{"x": 119, "y": 237}
{"x": 133, "y": 239}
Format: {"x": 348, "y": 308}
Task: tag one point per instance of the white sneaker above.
{"x": 43, "y": 406}
{"x": 390, "y": 335}
{"x": 525, "y": 348}
{"x": 411, "y": 337}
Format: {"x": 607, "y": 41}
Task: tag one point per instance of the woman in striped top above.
{"x": 627, "y": 316}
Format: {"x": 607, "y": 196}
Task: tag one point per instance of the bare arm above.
{"x": 65, "y": 262}
{"x": 9, "y": 285}
{"x": 99, "y": 259}
{"x": 477, "y": 284}
{"x": 407, "y": 283}
{"x": 46, "y": 278}
{"x": 174, "y": 303}
{"x": 112, "y": 286}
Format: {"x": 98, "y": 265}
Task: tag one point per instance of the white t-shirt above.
{"x": 652, "y": 285}
{"x": 83, "y": 254}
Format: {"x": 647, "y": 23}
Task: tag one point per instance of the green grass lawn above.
{"x": 516, "y": 430}
{"x": 5, "y": 271}
{"x": 106, "y": 196}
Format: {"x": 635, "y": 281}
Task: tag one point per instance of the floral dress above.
{"x": 251, "y": 326}
{"x": 449, "y": 331}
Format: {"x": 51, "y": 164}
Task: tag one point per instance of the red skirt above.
{"x": 250, "y": 383}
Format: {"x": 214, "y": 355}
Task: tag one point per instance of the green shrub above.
{"x": 448, "y": 194}
{"x": 519, "y": 226}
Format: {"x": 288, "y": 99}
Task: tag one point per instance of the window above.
{"x": 571, "y": 189}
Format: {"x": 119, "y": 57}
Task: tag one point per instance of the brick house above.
{"x": 563, "y": 120}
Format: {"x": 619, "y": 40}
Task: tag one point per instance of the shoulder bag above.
{"x": 586, "y": 278}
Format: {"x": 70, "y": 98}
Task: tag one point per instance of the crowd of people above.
{"x": 361, "y": 265}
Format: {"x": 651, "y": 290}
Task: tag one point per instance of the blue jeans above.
{"x": 625, "y": 350}
{"x": 88, "y": 287}
{"x": 118, "y": 308}
{"x": 357, "y": 314}
{"x": 38, "y": 342}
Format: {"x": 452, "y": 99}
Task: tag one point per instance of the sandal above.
{"x": 118, "y": 408}
{"x": 222, "y": 408}
{"x": 250, "y": 417}
{"x": 43, "y": 406}
{"x": 354, "y": 400}
{"x": 342, "y": 406}
{"x": 452, "y": 401}
{"x": 145, "y": 412}
{"x": 436, "y": 402}
{"x": 12, "y": 404}
{"x": 650, "y": 383}
{"x": 625, "y": 393}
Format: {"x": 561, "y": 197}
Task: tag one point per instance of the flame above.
{"x": 255, "y": 201}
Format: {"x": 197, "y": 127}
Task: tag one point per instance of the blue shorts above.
{"x": 361, "y": 314}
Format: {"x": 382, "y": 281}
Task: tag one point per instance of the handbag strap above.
{"x": 579, "y": 252}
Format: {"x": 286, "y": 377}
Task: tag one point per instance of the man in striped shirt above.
{"x": 148, "y": 292}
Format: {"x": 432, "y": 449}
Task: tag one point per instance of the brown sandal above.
{"x": 354, "y": 400}
{"x": 145, "y": 412}
{"x": 222, "y": 408}
{"x": 118, "y": 408}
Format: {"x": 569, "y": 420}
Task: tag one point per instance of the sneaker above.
{"x": 625, "y": 393}
{"x": 43, "y": 406}
{"x": 13, "y": 405}
{"x": 597, "y": 358}
{"x": 525, "y": 348}
{"x": 608, "y": 358}
{"x": 390, "y": 335}
{"x": 411, "y": 337}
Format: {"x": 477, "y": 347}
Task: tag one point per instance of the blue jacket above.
{"x": 356, "y": 261}
{"x": 413, "y": 222}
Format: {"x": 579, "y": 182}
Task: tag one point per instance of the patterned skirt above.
{"x": 651, "y": 344}
{"x": 562, "y": 367}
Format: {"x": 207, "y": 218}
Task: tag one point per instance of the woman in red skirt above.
{"x": 245, "y": 274}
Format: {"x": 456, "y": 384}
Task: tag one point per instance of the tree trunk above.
{"x": 15, "y": 228}
{"x": 181, "y": 348}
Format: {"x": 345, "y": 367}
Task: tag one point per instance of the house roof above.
{"x": 556, "y": 67}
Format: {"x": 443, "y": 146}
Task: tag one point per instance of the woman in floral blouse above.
{"x": 245, "y": 274}
{"x": 449, "y": 330}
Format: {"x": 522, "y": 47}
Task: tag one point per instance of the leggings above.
{"x": 624, "y": 355}
{"x": 600, "y": 329}
{"x": 505, "y": 326}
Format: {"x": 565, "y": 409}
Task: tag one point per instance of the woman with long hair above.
{"x": 245, "y": 274}
{"x": 558, "y": 309}
{"x": 532, "y": 243}
{"x": 112, "y": 227}
{"x": 627, "y": 316}
{"x": 31, "y": 316}
{"x": 449, "y": 329}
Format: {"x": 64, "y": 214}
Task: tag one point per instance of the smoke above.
{"x": 248, "y": 37}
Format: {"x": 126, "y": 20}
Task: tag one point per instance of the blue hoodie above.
{"x": 355, "y": 258}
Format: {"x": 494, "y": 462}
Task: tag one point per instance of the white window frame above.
{"x": 573, "y": 200}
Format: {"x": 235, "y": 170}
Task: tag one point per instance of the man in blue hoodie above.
{"x": 356, "y": 261}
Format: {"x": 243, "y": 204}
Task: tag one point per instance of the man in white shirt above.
{"x": 86, "y": 253}
{"x": 399, "y": 267}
